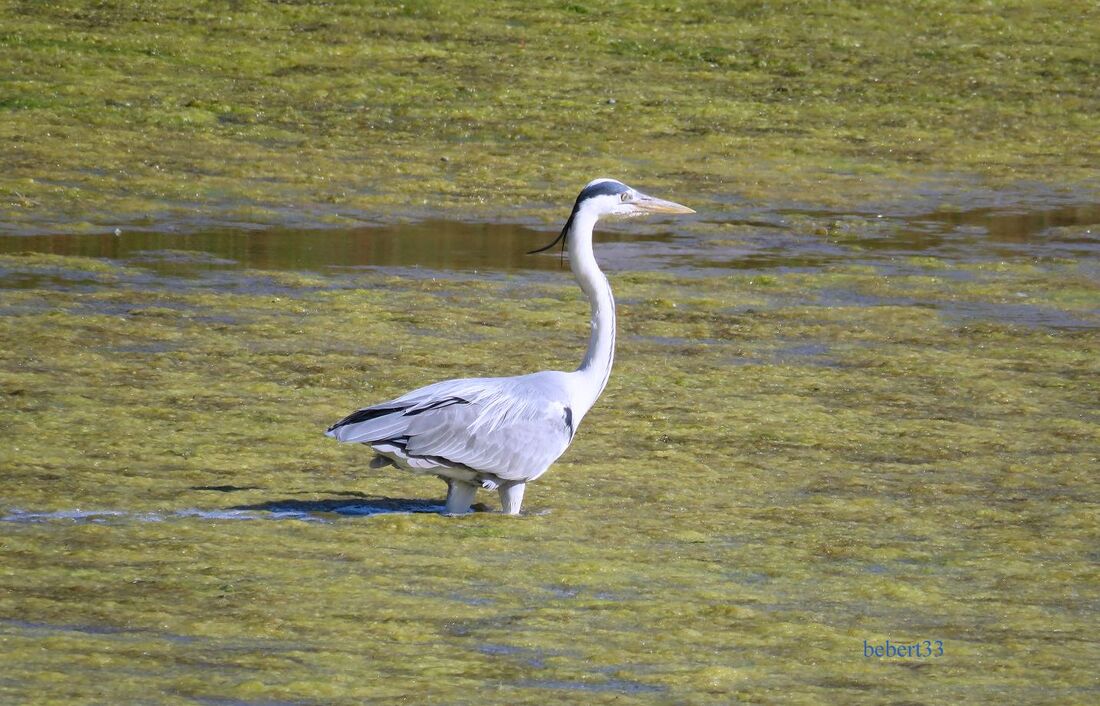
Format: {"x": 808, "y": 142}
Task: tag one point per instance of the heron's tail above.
{"x": 369, "y": 425}
{"x": 388, "y": 420}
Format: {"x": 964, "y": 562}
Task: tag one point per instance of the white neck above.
{"x": 595, "y": 369}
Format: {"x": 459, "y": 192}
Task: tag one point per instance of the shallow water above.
{"x": 825, "y": 430}
{"x": 765, "y": 238}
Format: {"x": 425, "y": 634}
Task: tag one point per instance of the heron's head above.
{"x": 608, "y": 197}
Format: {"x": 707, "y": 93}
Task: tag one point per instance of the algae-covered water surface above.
{"x": 794, "y": 463}
{"x": 849, "y": 449}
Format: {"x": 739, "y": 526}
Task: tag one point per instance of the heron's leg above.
{"x": 511, "y": 497}
{"x": 460, "y": 497}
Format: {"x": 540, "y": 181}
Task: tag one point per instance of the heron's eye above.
{"x": 625, "y": 196}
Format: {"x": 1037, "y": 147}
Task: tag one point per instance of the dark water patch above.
{"x": 805, "y": 239}
{"x": 443, "y": 245}
{"x": 1018, "y": 224}
{"x": 118, "y": 517}
{"x": 563, "y": 591}
{"x": 469, "y": 600}
{"x": 1026, "y": 315}
{"x": 818, "y": 354}
{"x": 983, "y": 233}
{"x": 180, "y": 259}
{"x": 305, "y": 510}
{"x": 73, "y": 516}
{"x": 769, "y": 250}
{"x": 115, "y": 632}
{"x": 532, "y": 657}
{"x": 52, "y": 278}
{"x": 343, "y": 506}
{"x": 773, "y": 239}
{"x": 26, "y": 626}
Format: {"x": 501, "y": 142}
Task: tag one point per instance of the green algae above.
{"x": 785, "y": 464}
{"x": 758, "y": 492}
{"x": 275, "y": 113}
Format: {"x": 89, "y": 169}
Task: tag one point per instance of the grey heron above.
{"x": 501, "y": 433}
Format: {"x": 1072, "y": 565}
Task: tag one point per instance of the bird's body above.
{"x": 500, "y": 433}
{"x": 496, "y": 433}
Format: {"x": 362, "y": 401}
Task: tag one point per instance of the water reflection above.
{"x": 761, "y": 239}
{"x": 1003, "y": 232}
{"x": 431, "y": 244}
{"x": 1015, "y": 225}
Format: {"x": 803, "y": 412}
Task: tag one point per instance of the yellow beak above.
{"x": 653, "y": 205}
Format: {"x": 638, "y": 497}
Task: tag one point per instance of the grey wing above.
{"x": 507, "y": 427}
{"x": 520, "y": 446}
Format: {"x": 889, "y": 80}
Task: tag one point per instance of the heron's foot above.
{"x": 511, "y": 497}
{"x": 488, "y": 484}
{"x": 460, "y": 496}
